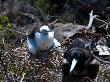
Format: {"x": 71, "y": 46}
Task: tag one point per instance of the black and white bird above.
{"x": 42, "y": 41}
{"x": 76, "y": 56}
{"x": 77, "y": 59}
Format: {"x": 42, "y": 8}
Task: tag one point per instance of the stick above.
{"x": 91, "y": 19}
{"x": 56, "y": 20}
{"x": 101, "y": 21}
{"x": 22, "y": 77}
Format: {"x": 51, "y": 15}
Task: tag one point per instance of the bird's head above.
{"x": 44, "y": 29}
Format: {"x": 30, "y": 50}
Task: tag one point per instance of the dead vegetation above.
{"x": 15, "y": 62}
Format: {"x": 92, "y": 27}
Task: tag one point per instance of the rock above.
{"x": 63, "y": 31}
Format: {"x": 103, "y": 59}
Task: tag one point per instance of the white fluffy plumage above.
{"x": 44, "y": 40}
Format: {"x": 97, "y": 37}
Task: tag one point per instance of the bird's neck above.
{"x": 44, "y": 34}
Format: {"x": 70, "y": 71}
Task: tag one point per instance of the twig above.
{"x": 15, "y": 31}
{"x": 86, "y": 4}
{"x": 102, "y": 25}
{"x": 56, "y": 20}
{"x": 13, "y": 77}
{"x": 100, "y": 60}
{"x": 101, "y": 21}
{"x": 22, "y": 77}
{"x": 91, "y": 19}
{"x": 9, "y": 50}
{"x": 32, "y": 29}
{"x": 29, "y": 15}
{"x": 4, "y": 66}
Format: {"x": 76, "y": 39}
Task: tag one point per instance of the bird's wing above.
{"x": 31, "y": 45}
{"x": 57, "y": 45}
{"x": 37, "y": 35}
{"x": 51, "y": 34}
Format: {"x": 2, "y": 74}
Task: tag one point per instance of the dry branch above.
{"x": 22, "y": 77}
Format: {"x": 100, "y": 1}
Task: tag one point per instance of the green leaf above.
{"x": 13, "y": 35}
{"x": 43, "y": 5}
{"x": 1, "y": 27}
{"x": 11, "y": 67}
{"x": 5, "y": 18}
{"x": 106, "y": 77}
{"x": 10, "y": 25}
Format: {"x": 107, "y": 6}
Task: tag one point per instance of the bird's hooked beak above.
{"x": 74, "y": 62}
{"x": 45, "y": 31}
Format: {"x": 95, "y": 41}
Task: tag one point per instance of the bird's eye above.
{"x": 44, "y": 30}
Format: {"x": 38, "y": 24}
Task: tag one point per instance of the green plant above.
{"x": 5, "y": 25}
{"x": 43, "y": 5}
{"x": 11, "y": 67}
{"x": 106, "y": 76}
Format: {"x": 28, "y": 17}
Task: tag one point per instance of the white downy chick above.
{"x": 45, "y": 39}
